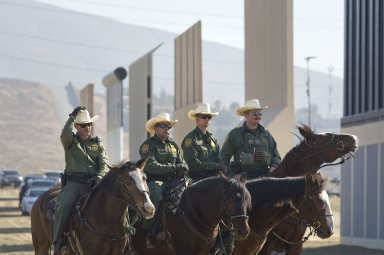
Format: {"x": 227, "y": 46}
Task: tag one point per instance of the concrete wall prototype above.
{"x": 269, "y": 65}
{"x": 362, "y": 178}
{"x": 113, "y": 83}
{"x": 188, "y": 78}
{"x": 140, "y": 102}
{"x": 86, "y": 99}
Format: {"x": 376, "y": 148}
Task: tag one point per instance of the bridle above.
{"x": 339, "y": 146}
{"x": 313, "y": 226}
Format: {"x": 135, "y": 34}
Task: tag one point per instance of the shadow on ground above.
{"x": 341, "y": 250}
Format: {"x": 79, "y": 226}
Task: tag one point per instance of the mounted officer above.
{"x": 85, "y": 161}
{"x": 252, "y": 147}
{"x": 201, "y": 150}
{"x": 164, "y": 162}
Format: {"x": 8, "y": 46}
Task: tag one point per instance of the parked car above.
{"x": 36, "y": 183}
{"x": 10, "y": 178}
{"x": 29, "y": 199}
{"x": 24, "y": 185}
{"x": 54, "y": 175}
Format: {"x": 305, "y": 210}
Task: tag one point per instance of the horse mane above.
{"x": 269, "y": 191}
{"x": 213, "y": 181}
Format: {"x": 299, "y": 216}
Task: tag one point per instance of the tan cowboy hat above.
{"x": 250, "y": 105}
{"x": 162, "y": 117}
{"x": 83, "y": 117}
{"x": 203, "y": 108}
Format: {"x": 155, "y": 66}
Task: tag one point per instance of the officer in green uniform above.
{"x": 201, "y": 150}
{"x": 164, "y": 162}
{"x": 85, "y": 159}
{"x": 252, "y": 147}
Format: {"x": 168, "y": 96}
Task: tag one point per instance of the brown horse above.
{"x": 309, "y": 200}
{"x": 202, "y": 207}
{"x": 98, "y": 226}
{"x": 308, "y": 156}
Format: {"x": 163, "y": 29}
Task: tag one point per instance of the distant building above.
{"x": 362, "y": 178}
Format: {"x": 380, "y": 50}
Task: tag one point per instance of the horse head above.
{"x": 316, "y": 208}
{"x": 133, "y": 186}
{"x": 234, "y": 205}
{"x": 328, "y": 147}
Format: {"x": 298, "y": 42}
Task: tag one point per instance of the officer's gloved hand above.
{"x": 181, "y": 170}
{"x": 96, "y": 180}
{"x": 76, "y": 111}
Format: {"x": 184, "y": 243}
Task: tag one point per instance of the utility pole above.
{"x": 330, "y": 70}
{"x": 308, "y": 59}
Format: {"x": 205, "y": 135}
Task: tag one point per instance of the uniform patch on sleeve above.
{"x": 188, "y": 142}
{"x": 145, "y": 148}
{"x": 94, "y": 147}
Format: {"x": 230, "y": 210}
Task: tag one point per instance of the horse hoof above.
{"x": 64, "y": 250}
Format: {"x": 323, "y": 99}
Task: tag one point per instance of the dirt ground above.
{"x": 15, "y": 232}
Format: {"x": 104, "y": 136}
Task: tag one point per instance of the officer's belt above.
{"x": 79, "y": 177}
{"x": 160, "y": 178}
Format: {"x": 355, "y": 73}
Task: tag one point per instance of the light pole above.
{"x": 308, "y": 59}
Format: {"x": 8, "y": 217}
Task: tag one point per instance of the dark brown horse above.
{"x": 309, "y": 156}
{"x": 202, "y": 207}
{"x": 309, "y": 199}
{"x": 98, "y": 226}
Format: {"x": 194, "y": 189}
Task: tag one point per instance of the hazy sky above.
{"x": 318, "y": 24}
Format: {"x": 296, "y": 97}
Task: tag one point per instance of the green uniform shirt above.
{"x": 163, "y": 156}
{"x": 244, "y": 144}
{"x": 202, "y": 153}
{"x": 83, "y": 156}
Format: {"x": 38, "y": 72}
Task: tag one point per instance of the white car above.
{"x": 29, "y": 199}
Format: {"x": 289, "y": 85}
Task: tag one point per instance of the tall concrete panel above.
{"x": 113, "y": 83}
{"x": 140, "y": 101}
{"x": 188, "y": 78}
{"x": 269, "y": 65}
{"x": 86, "y": 99}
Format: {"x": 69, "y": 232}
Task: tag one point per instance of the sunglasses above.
{"x": 85, "y": 125}
{"x": 205, "y": 117}
{"x": 164, "y": 126}
{"x": 255, "y": 113}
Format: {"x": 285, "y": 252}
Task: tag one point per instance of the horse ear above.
{"x": 243, "y": 178}
{"x": 305, "y": 131}
{"x": 141, "y": 163}
{"x": 309, "y": 177}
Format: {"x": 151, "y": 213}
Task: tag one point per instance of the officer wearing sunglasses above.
{"x": 85, "y": 162}
{"x": 252, "y": 147}
{"x": 164, "y": 163}
{"x": 200, "y": 148}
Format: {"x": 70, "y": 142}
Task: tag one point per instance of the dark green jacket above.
{"x": 83, "y": 156}
{"x": 242, "y": 142}
{"x": 202, "y": 153}
{"x": 162, "y": 157}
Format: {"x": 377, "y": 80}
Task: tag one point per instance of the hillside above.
{"x": 54, "y": 46}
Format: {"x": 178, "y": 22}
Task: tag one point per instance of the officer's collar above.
{"x": 259, "y": 128}
{"x": 157, "y": 139}
{"x": 199, "y": 132}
